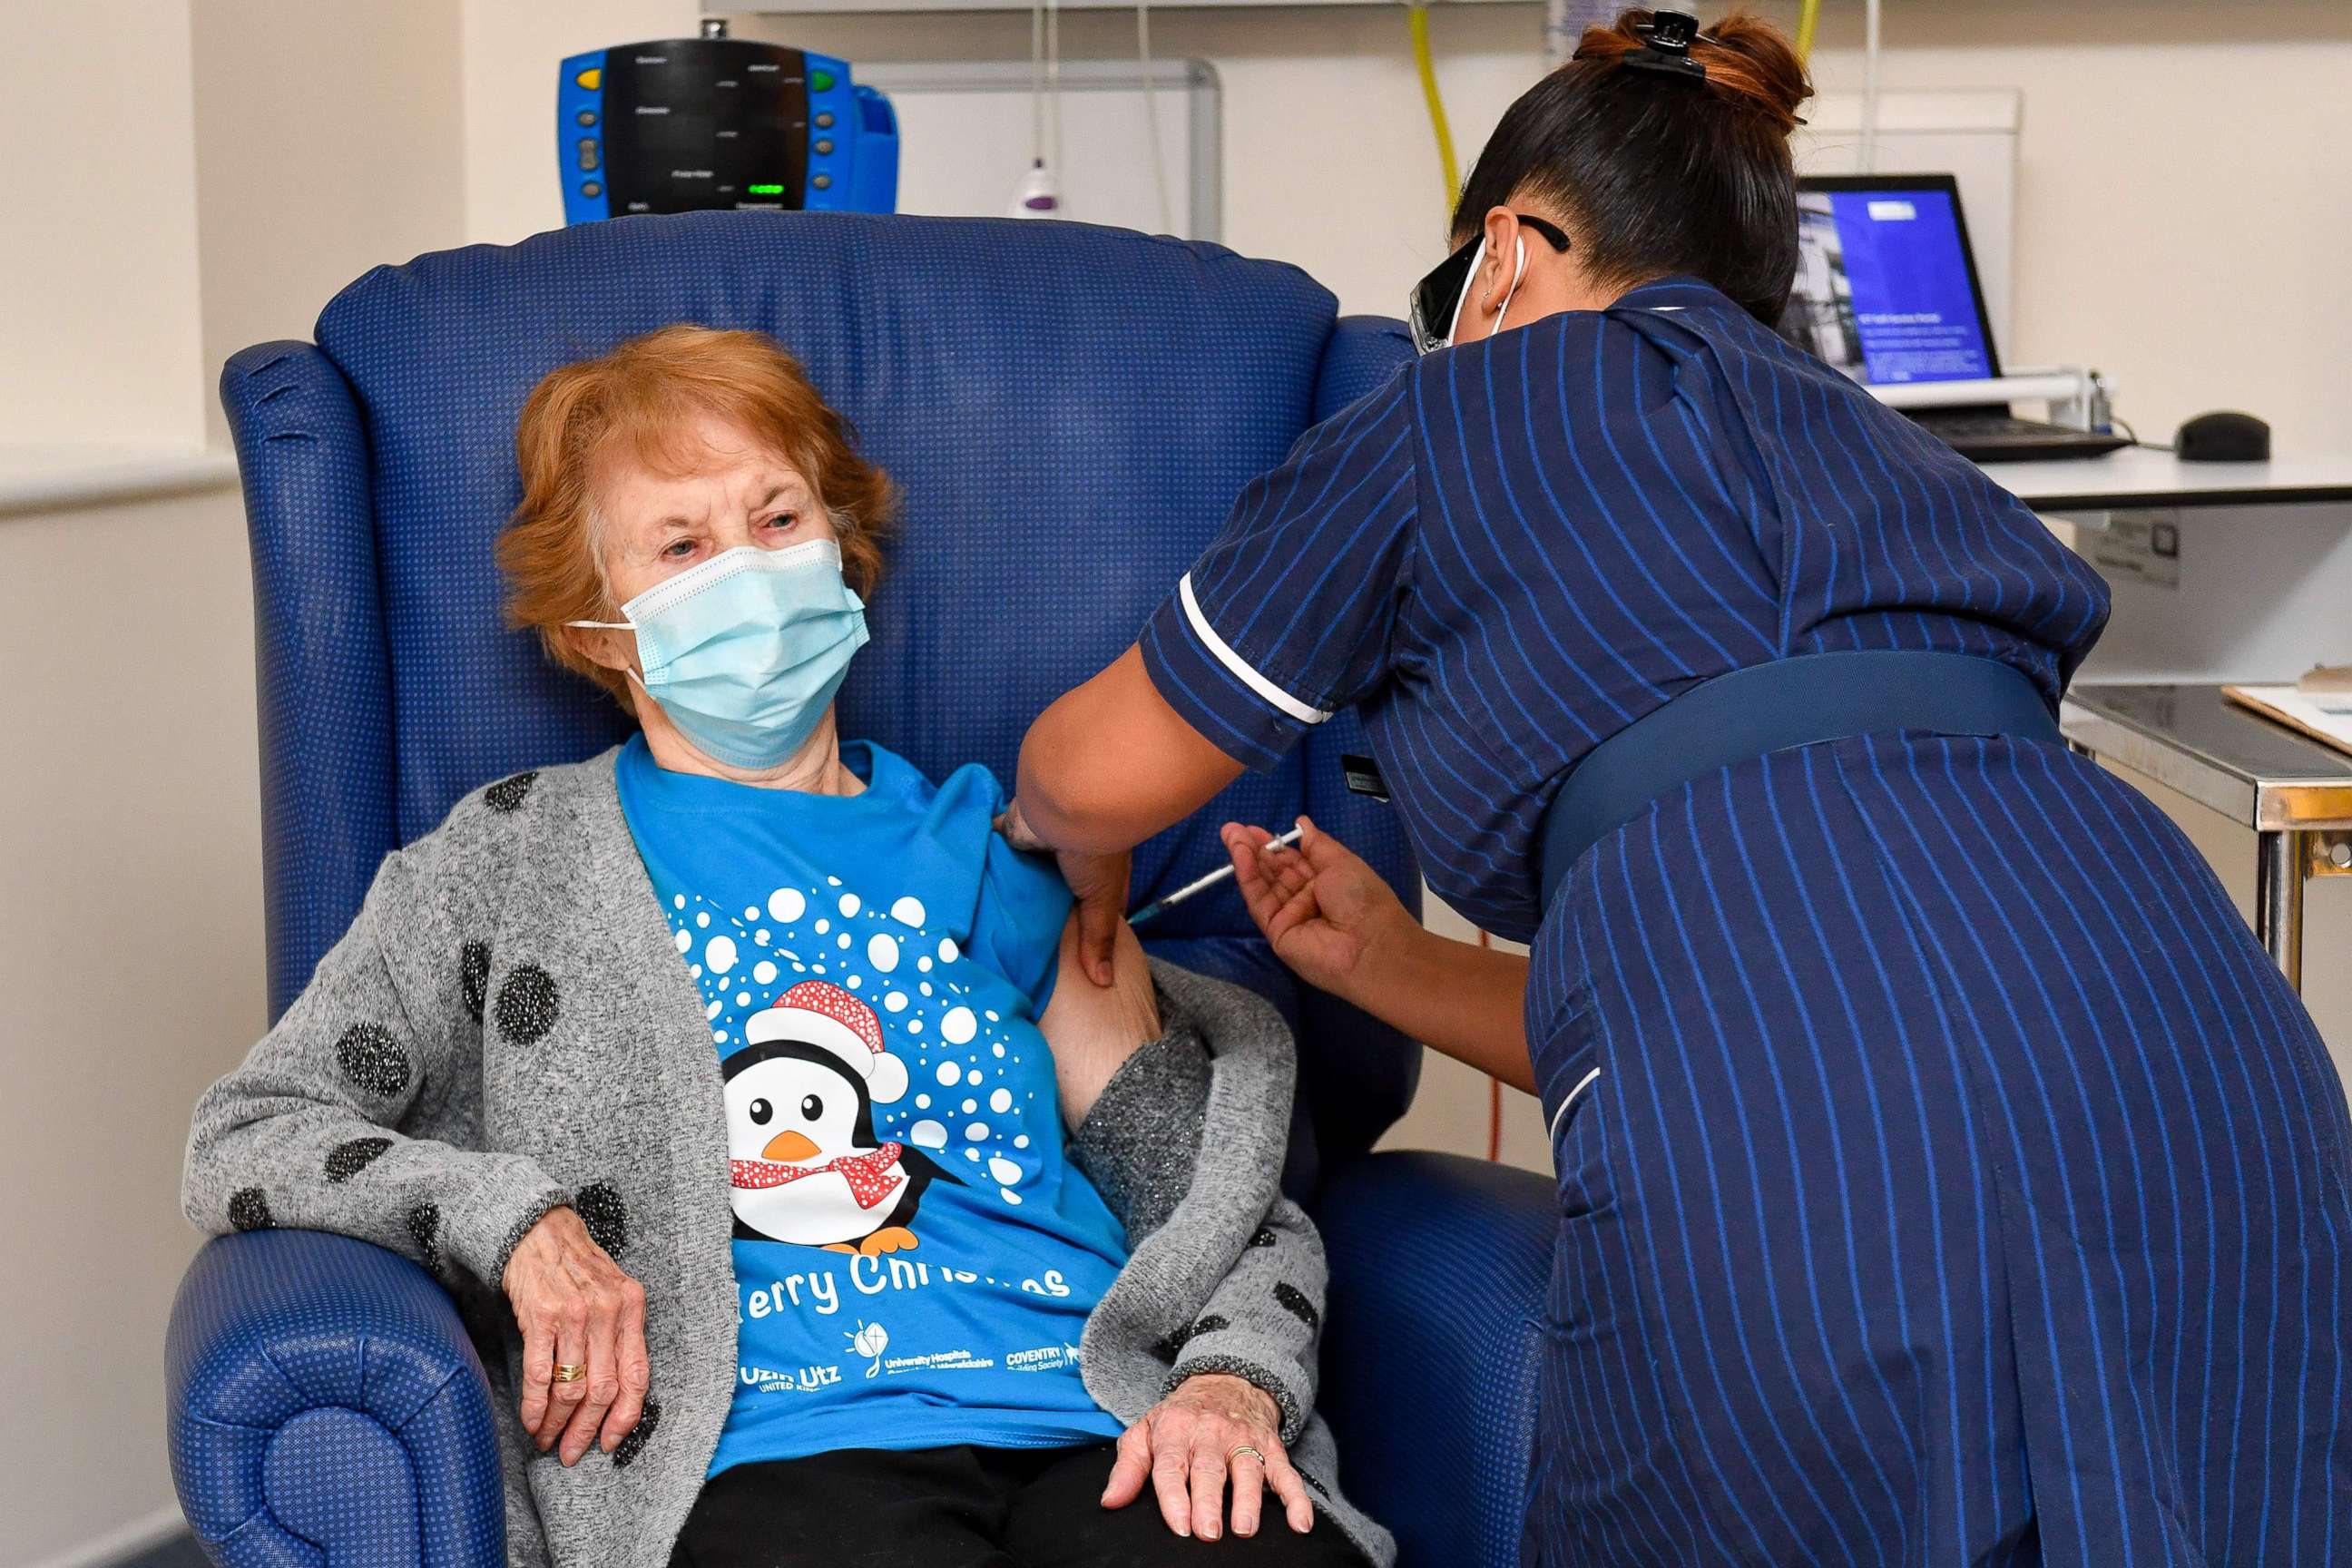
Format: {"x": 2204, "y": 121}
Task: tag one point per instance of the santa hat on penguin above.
{"x": 818, "y": 1013}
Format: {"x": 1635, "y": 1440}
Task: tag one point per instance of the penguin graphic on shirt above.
{"x": 804, "y": 1165}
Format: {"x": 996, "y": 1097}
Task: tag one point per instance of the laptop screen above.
{"x": 1886, "y": 288}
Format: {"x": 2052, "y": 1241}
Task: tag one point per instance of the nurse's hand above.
{"x": 1097, "y": 881}
{"x": 1186, "y": 1445}
{"x": 1325, "y": 912}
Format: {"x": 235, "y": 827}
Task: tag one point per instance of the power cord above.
{"x": 1417, "y": 21}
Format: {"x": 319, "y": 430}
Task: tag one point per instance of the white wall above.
{"x": 207, "y": 185}
{"x": 130, "y": 971}
{"x": 329, "y": 138}
{"x": 511, "y": 50}
{"x": 97, "y": 243}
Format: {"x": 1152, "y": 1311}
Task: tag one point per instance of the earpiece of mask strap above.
{"x": 1512, "y": 293}
{"x": 629, "y": 671}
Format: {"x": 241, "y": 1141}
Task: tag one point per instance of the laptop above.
{"x": 1887, "y": 292}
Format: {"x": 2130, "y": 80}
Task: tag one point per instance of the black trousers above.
{"x": 965, "y": 1507}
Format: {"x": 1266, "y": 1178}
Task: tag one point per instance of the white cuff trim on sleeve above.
{"x": 1274, "y": 695}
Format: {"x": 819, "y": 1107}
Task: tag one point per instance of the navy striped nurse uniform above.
{"x": 1945, "y": 1175}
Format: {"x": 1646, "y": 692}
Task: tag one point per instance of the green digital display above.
{"x": 765, "y": 190}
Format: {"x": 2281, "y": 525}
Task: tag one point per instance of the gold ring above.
{"x": 570, "y": 1371}
{"x": 1238, "y": 1449}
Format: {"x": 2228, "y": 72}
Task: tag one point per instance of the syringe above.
{"x": 1198, "y": 884}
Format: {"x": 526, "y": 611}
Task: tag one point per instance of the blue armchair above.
{"x": 1069, "y": 411}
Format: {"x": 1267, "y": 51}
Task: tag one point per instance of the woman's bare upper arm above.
{"x": 1094, "y": 1029}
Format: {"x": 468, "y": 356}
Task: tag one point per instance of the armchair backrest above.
{"x": 1069, "y": 412}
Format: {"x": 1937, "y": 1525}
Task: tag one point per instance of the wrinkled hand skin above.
{"x": 574, "y": 1305}
{"x": 1184, "y": 1447}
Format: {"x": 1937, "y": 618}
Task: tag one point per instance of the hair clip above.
{"x": 1666, "y": 40}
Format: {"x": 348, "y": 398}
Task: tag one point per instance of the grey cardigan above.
{"x": 506, "y": 1027}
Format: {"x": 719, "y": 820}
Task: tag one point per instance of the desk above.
{"x": 2263, "y": 574}
{"x": 2296, "y": 794}
{"x": 2139, "y": 477}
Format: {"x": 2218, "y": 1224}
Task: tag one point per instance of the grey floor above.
{"x": 182, "y": 1551}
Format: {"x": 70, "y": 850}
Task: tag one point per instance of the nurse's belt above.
{"x": 1777, "y": 707}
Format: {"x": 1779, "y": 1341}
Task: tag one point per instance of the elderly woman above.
{"x": 838, "y": 1212}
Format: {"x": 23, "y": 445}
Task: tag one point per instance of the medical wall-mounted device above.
{"x": 693, "y": 124}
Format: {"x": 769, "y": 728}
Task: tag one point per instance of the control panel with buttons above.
{"x": 693, "y": 124}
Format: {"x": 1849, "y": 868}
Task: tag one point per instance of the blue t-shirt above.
{"x": 914, "y": 1257}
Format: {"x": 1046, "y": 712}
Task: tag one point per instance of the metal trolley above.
{"x": 2294, "y": 793}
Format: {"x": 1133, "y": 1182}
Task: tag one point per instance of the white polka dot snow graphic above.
{"x": 726, "y": 974}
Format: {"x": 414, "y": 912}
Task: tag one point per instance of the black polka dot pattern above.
{"x": 527, "y": 1005}
{"x": 1173, "y": 1345}
{"x": 1295, "y": 1301}
{"x": 248, "y": 1209}
{"x": 424, "y": 1230}
{"x": 1321, "y": 1490}
{"x": 626, "y": 1451}
{"x": 474, "y": 978}
{"x": 1264, "y": 1237}
{"x": 508, "y": 794}
{"x": 373, "y": 1059}
{"x": 345, "y": 1160}
{"x": 600, "y": 1209}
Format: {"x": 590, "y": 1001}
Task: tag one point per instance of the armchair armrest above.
{"x": 1438, "y": 1265}
{"x": 323, "y": 1399}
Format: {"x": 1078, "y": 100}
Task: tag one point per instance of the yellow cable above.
{"x": 1417, "y": 17}
{"x": 1808, "y": 14}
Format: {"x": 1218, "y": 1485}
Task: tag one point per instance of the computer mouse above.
{"x": 2224, "y": 437}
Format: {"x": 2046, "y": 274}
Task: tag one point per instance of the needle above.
{"x": 1200, "y": 884}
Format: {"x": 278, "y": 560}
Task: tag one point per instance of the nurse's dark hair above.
{"x": 1658, "y": 174}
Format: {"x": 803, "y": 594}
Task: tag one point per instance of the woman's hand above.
{"x": 1186, "y": 1446}
{"x": 576, "y": 1306}
{"x": 1099, "y": 884}
{"x": 1323, "y": 910}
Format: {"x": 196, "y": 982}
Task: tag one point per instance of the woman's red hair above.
{"x": 641, "y": 400}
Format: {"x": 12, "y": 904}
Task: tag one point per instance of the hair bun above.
{"x": 1753, "y": 62}
{"x": 1749, "y": 62}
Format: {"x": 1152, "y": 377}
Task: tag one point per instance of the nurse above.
{"x": 1944, "y": 1175}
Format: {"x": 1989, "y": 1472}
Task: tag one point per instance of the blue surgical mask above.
{"x": 745, "y": 652}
